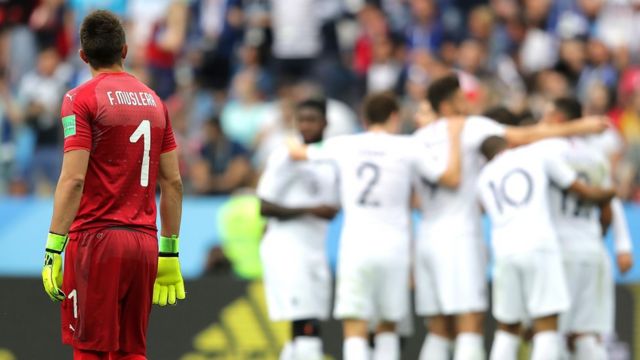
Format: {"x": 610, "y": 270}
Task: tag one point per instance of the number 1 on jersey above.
{"x": 144, "y": 131}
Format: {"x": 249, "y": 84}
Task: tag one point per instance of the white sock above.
{"x": 307, "y": 348}
{"x": 469, "y": 346}
{"x": 505, "y": 346}
{"x": 546, "y": 346}
{"x": 287, "y": 352}
{"x": 435, "y": 347}
{"x": 355, "y": 348}
{"x": 589, "y": 348}
{"x": 387, "y": 346}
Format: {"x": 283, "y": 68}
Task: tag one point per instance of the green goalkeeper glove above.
{"x": 52, "y": 269}
{"x": 169, "y": 285}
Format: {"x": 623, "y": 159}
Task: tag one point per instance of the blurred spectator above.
{"x": 246, "y": 112}
{"x": 296, "y": 37}
{"x": 384, "y": 72}
{"x": 373, "y": 27}
{"x": 9, "y": 122}
{"x": 224, "y": 165}
{"x": 165, "y": 43}
{"x": 599, "y": 69}
{"x": 425, "y": 31}
{"x": 250, "y": 60}
{"x": 40, "y": 95}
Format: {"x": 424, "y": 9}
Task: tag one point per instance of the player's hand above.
{"x": 297, "y": 150}
{"x": 625, "y": 262}
{"x": 323, "y": 212}
{"x": 52, "y": 268}
{"x": 169, "y": 286}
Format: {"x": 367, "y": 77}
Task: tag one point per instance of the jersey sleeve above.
{"x": 168, "y": 141}
{"x": 271, "y": 179}
{"x": 621, "y": 236}
{"x": 479, "y": 128}
{"x": 426, "y": 162}
{"x": 558, "y": 171}
{"x": 78, "y": 110}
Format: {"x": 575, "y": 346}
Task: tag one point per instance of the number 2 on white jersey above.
{"x": 144, "y": 131}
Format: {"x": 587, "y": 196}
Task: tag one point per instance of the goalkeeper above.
{"x": 118, "y": 144}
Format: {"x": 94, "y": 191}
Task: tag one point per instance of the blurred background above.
{"x": 231, "y": 71}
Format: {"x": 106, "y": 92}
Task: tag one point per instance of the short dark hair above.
{"x": 502, "y": 115}
{"x": 102, "y": 39}
{"x": 318, "y": 104}
{"x": 379, "y": 107}
{"x": 442, "y": 90}
{"x": 492, "y": 145}
{"x": 569, "y": 107}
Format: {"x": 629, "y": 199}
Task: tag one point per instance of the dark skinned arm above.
{"x": 270, "y": 209}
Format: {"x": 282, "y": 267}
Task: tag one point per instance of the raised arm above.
{"x": 527, "y": 134}
{"x": 452, "y": 175}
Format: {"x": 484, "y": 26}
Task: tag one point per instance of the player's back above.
{"x": 578, "y": 222}
{"x": 125, "y": 127}
{"x": 375, "y": 171}
{"x": 452, "y": 213}
{"x": 514, "y": 191}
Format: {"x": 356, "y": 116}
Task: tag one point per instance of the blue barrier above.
{"x": 24, "y": 223}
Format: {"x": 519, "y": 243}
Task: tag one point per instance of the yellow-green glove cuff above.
{"x": 56, "y": 243}
{"x": 168, "y": 246}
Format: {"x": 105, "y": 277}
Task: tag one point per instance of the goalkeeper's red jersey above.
{"x": 125, "y": 127}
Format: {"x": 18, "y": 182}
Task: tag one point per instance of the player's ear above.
{"x": 83, "y": 56}
{"x": 125, "y": 49}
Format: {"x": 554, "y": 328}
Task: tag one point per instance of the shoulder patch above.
{"x": 69, "y": 125}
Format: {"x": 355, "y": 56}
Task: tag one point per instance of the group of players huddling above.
{"x": 546, "y": 189}
{"x": 549, "y": 203}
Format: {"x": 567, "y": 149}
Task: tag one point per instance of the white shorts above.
{"x": 297, "y": 282}
{"x": 372, "y": 287}
{"x": 591, "y": 288}
{"x": 450, "y": 277}
{"x": 529, "y": 285}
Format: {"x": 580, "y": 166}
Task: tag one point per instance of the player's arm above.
{"x": 66, "y": 199}
{"x": 527, "y": 134}
{"x": 169, "y": 285}
{"x": 621, "y": 237}
{"x": 566, "y": 178}
{"x": 453, "y": 173}
{"x": 271, "y": 209}
{"x": 591, "y": 193}
{"x": 606, "y": 216}
{"x": 170, "y": 194}
{"x": 66, "y": 202}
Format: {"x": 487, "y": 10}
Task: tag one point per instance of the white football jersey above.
{"x": 514, "y": 190}
{"x": 298, "y": 184}
{"x": 578, "y": 222}
{"x": 450, "y": 212}
{"x": 375, "y": 172}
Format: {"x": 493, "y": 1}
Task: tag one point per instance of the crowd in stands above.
{"x": 231, "y": 71}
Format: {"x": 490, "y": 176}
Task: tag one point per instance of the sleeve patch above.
{"x": 69, "y": 125}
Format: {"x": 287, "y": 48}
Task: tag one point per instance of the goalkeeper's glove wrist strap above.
{"x": 168, "y": 246}
{"x": 56, "y": 242}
